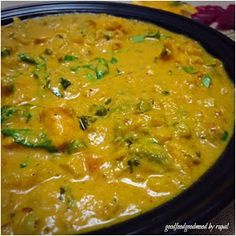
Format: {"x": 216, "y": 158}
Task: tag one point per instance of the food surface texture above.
{"x": 104, "y": 118}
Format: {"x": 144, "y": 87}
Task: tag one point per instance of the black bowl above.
{"x": 215, "y": 189}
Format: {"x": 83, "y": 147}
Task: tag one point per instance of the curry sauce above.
{"x": 104, "y": 118}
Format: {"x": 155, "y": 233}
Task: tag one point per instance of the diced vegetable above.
{"x": 28, "y": 138}
{"x": 225, "y": 135}
{"x": 25, "y": 58}
{"x": 206, "y": 81}
{"x": 6, "y": 52}
{"x": 182, "y": 130}
{"x": 144, "y": 106}
{"x": 75, "y": 146}
{"x": 189, "y": 69}
{"x": 151, "y": 151}
{"x": 65, "y": 83}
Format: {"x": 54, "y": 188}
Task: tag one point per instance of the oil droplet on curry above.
{"x": 104, "y": 118}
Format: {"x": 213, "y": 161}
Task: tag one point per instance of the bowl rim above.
{"x": 202, "y": 200}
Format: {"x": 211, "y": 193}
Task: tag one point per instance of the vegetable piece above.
{"x": 138, "y": 38}
{"x": 225, "y": 135}
{"x": 90, "y": 76}
{"x": 101, "y": 111}
{"x": 152, "y": 151}
{"x": 189, "y": 69}
{"x": 7, "y": 112}
{"x": 155, "y": 35}
{"x": 65, "y": 83}
{"x": 133, "y": 163}
{"x": 183, "y": 130}
{"x": 25, "y": 58}
{"x": 6, "y": 52}
{"x": 85, "y": 121}
{"x": 108, "y": 101}
{"x": 23, "y": 165}
{"x": 75, "y": 146}
{"x": 48, "y": 51}
{"x": 141, "y": 38}
{"x": 28, "y": 138}
{"x": 70, "y": 58}
{"x": 144, "y": 106}
{"x": 113, "y": 60}
{"x": 206, "y": 81}
{"x": 165, "y": 93}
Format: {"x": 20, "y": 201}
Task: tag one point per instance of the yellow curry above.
{"x": 104, "y": 118}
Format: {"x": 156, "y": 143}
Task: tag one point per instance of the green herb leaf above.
{"x": 65, "y": 83}
{"x": 113, "y": 60}
{"x": 25, "y": 58}
{"x": 27, "y": 116}
{"x": 206, "y": 81}
{"x": 6, "y": 52}
{"x": 189, "y": 69}
{"x": 138, "y": 38}
{"x": 224, "y": 136}
{"x": 28, "y": 138}
{"x": 99, "y": 110}
{"x": 75, "y": 146}
{"x": 23, "y": 165}
{"x": 70, "y": 58}
{"x": 102, "y": 68}
{"x": 91, "y": 76}
{"x": 85, "y": 121}
{"x": 108, "y": 101}
{"x": 7, "y": 112}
